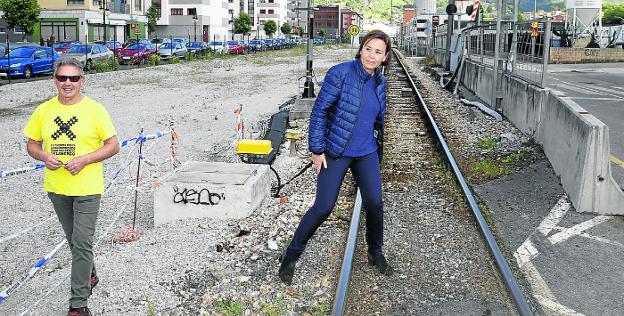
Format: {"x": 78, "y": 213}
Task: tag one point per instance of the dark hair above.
{"x": 377, "y": 34}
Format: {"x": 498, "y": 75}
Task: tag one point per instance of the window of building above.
{"x": 61, "y": 30}
{"x": 2, "y": 30}
{"x": 271, "y": 11}
{"x": 242, "y": 5}
{"x": 138, "y": 6}
{"x": 271, "y": 1}
{"x": 250, "y": 10}
{"x": 177, "y": 11}
{"x": 191, "y": 11}
{"x": 262, "y": 11}
{"x": 75, "y": 2}
{"x": 231, "y": 11}
{"x": 230, "y": 1}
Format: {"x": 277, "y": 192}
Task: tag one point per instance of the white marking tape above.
{"x": 6, "y": 292}
{"x": 25, "y": 230}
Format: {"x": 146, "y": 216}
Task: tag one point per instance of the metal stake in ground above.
{"x": 136, "y": 187}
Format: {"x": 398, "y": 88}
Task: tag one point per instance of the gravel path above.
{"x": 175, "y": 268}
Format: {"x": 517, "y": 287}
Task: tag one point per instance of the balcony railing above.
{"x": 113, "y": 6}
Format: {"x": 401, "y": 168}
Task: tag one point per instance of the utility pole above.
{"x": 258, "y": 28}
{"x": 449, "y": 35}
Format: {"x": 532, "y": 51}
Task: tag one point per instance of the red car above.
{"x": 235, "y": 47}
{"x": 114, "y": 46}
{"x": 63, "y": 47}
{"x": 136, "y": 53}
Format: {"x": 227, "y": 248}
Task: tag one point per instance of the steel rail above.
{"x": 345, "y": 272}
{"x": 501, "y": 263}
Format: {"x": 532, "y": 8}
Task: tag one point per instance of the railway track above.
{"x": 445, "y": 258}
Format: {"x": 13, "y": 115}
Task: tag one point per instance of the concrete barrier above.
{"x": 211, "y": 189}
{"x": 522, "y": 104}
{"x": 575, "y": 142}
{"x": 577, "y": 146}
{"x": 478, "y": 78}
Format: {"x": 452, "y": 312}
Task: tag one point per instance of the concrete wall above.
{"x": 478, "y": 78}
{"x": 575, "y": 142}
{"x": 573, "y": 55}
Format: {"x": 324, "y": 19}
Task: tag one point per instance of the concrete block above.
{"x": 577, "y": 146}
{"x": 522, "y": 104}
{"x": 407, "y": 92}
{"x": 211, "y": 189}
{"x": 302, "y": 109}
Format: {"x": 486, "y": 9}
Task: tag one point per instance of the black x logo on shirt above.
{"x": 64, "y": 128}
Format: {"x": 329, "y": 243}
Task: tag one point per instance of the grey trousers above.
{"x": 78, "y": 215}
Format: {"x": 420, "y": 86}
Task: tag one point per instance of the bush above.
{"x": 174, "y": 60}
{"x": 192, "y": 56}
{"x": 105, "y": 66}
{"x": 153, "y": 60}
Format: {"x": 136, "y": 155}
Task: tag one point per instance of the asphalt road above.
{"x": 599, "y": 88}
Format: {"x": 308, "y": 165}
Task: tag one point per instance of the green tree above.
{"x": 269, "y": 28}
{"x": 242, "y": 24}
{"x": 520, "y": 17}
{"x": 321, "y": 33}
{"x": 153, "y": 15}
{"x": 21, "y": 13}
{"x": 613, "y": 13}
{"x": 286, "y": 28}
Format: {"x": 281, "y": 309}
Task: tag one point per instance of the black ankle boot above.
{"x": 380, "y": 262}
{"x": 286, "y": 269}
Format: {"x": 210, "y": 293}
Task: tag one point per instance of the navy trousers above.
{"x": 368, "y": 178}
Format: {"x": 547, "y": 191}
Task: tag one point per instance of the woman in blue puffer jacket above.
{"x": 346, "y": 126}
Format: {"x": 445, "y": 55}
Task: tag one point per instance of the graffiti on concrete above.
{"x": 198, "y": 197}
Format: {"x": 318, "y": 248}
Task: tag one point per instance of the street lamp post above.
{"x": 258, "y": 28}
{"x": 232, "y": 25}
{"x": 104, "y": 9}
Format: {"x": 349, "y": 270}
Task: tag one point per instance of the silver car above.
{"x": 87, "y": 54}
{"x": 168, "y": 49}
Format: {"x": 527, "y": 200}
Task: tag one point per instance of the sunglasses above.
{"x": 71, "y": 78}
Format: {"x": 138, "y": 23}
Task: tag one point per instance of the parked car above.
{"x": 63, "y": 47}
{"x": 136, "y": 53}
{"x": 235, "y": 47}
{"x": 197, "y": 47}
{"x": 218, "y": 47}
{"x": 134, "y": 40}
{"x": 182, "y": 40}
{"x": 114, "y": 46}
{"x": 256, "y": 45}
{"x": 3, "y": 50}
{"x": 158, "y": 41}
{"x": 27, "y": 61}
{"x": 172, "y": 49}
{"x": 87, "y": 54}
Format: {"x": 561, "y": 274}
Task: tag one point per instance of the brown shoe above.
{"x": 81, "y": 311}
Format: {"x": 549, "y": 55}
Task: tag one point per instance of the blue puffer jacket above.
{"x": 337, "y": 107}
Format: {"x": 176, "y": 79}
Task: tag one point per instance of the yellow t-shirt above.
{"x": 69, "y": 131}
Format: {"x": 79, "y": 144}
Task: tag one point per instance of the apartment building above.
{"x": 275, "y": 10}
{"x": 328, "y": 19}
{"x": 205, "y": 20}
{"x": 91, "y": 20}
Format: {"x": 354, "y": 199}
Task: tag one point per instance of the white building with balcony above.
{"x": 205, "y": 20}
{"x": 275, "y": 10}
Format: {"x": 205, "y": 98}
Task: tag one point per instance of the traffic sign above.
{"x": 354, "y": 30}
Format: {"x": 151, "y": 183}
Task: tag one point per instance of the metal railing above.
{"x": 523, "y": 50}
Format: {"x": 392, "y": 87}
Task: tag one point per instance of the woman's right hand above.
{"x": 318, "y": 161}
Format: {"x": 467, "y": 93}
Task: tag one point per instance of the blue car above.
{"x": 27, "y": 61}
